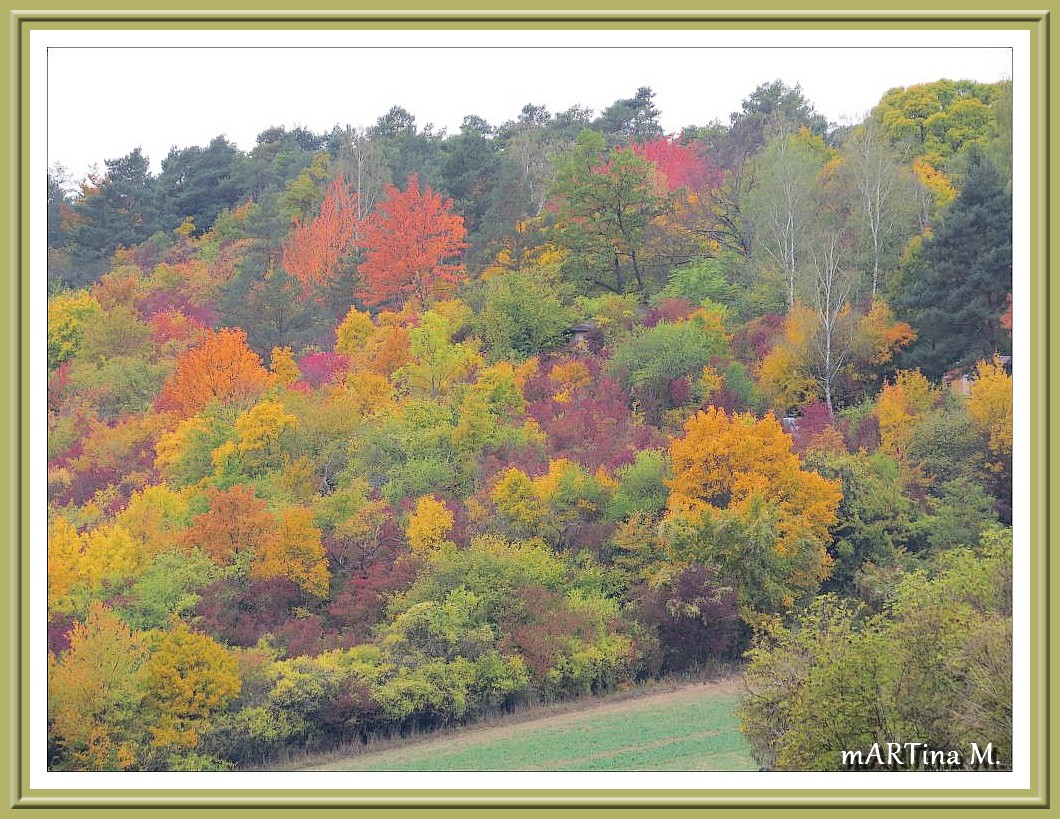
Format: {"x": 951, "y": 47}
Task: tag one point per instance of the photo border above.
{"x": 592, "y": 15}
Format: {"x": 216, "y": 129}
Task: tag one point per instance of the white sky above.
{"x": 110, "y": 92}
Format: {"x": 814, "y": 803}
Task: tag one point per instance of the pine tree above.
{"x": 955, "y": 292}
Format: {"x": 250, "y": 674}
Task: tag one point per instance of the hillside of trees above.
{"x": 375, "y": 431}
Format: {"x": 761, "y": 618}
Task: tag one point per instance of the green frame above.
{"x": 477, "y": 14}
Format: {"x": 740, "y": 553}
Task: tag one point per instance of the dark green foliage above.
{"x": 199, "y": 183}
{"x": 408, "y": 150}
{"x": 877, "y": 520}
{"x": 954, "y": 292}
{"x": 630, "y": 120}
{"x": 269, "y": 304}
{"x": 118, "y": 211}
{"x": 606, "y": 205}
{"x": 958, "y": 515}
{"x": 745, "y": 555}
{"x": 770, "y": 109}
{"x": 947, "y": 447}
{"x": 470, "y": 170}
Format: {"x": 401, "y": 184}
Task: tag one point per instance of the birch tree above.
{"x": 782, "y": 205}
{"x": 833, "y": 283}
{"x": 885, "y": 199}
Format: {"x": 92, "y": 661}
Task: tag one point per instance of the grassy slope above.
{"x": 690, "y": 729}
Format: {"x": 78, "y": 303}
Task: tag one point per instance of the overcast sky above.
{"x": 108, "y": 95}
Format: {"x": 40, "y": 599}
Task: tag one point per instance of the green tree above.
{"x": 606, "y": 206}
{"x": 199, "y": 183}
{"x": 955, "y": 291}
{"x": 784, "y": 204}
{"x": 472, "y": 160}
{"x": 631, "y": 120}
{"x": 936, "y": 665}
{"x": 521, "y": 314}
{"x": 876, "y": 520}
{"x": 642, "y": 485}
{"x": 169, "y": 587}
{"x": 650, "y": 360}
{"x": 117, "y": 210}
{"x": 885, "y": 199}
{"x": 772, "y": 108}
{"x": 439, "y": 362}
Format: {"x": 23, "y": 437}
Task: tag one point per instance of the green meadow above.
{"x": 693, "y": 729}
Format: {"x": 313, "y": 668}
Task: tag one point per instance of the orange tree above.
{"x": 412, "y": 242}
{"x": 221, "y": 368}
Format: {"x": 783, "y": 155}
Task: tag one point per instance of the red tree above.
{"x": 313, "y": 250}
{"x": 412, "y": 242}
{"x": 683, "y": 165}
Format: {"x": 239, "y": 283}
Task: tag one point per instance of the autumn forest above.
{"x": 367, "y": 433}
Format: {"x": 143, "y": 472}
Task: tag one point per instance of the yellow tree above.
{"x": 295, "y": 552}
{"x": 110, "y": 554}
{"x": 69, "y": 314}
{"x": 282, "y": 366}
{"x": 154, "y": 517}
{"x": 65, "y": 549}
{"x": 259, "y": 431}
{"x": 552, "y": 505}
{"x": 722, "y": 465}
{"x": 900, "y": 404}
{"x": 95, "y": 689}
{"x": 740, "y": 500}
{"x": 783, "y": 374}
{"x": 879, "y": 334}
{"x": 352, "y": 333}
{"x": 990, "y": 408}
{"x": 428, "y": 525}
{"x": 187, "y": 678}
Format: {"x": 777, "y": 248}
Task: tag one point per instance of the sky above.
{"x": 107, "y": 95}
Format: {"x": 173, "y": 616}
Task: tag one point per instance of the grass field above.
{"x": 692, "y": 728}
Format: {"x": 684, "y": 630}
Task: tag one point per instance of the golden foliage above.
{"x": 260, "y": 427}
{"x": 283, "y": 367}
{"x": 352, "y": 333}
{"x": 899, "y": 405}
{"x": 428, "y": 525}
{"x": 879, "y": 334}
{"x": 782, "y": 374}
{"x": 94, "y": 693}
{"x": 295, "y": 552}
{"x": 723, "y": 465}
{"x": 990, "y": 406}
{"x": 188, "y": 677}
